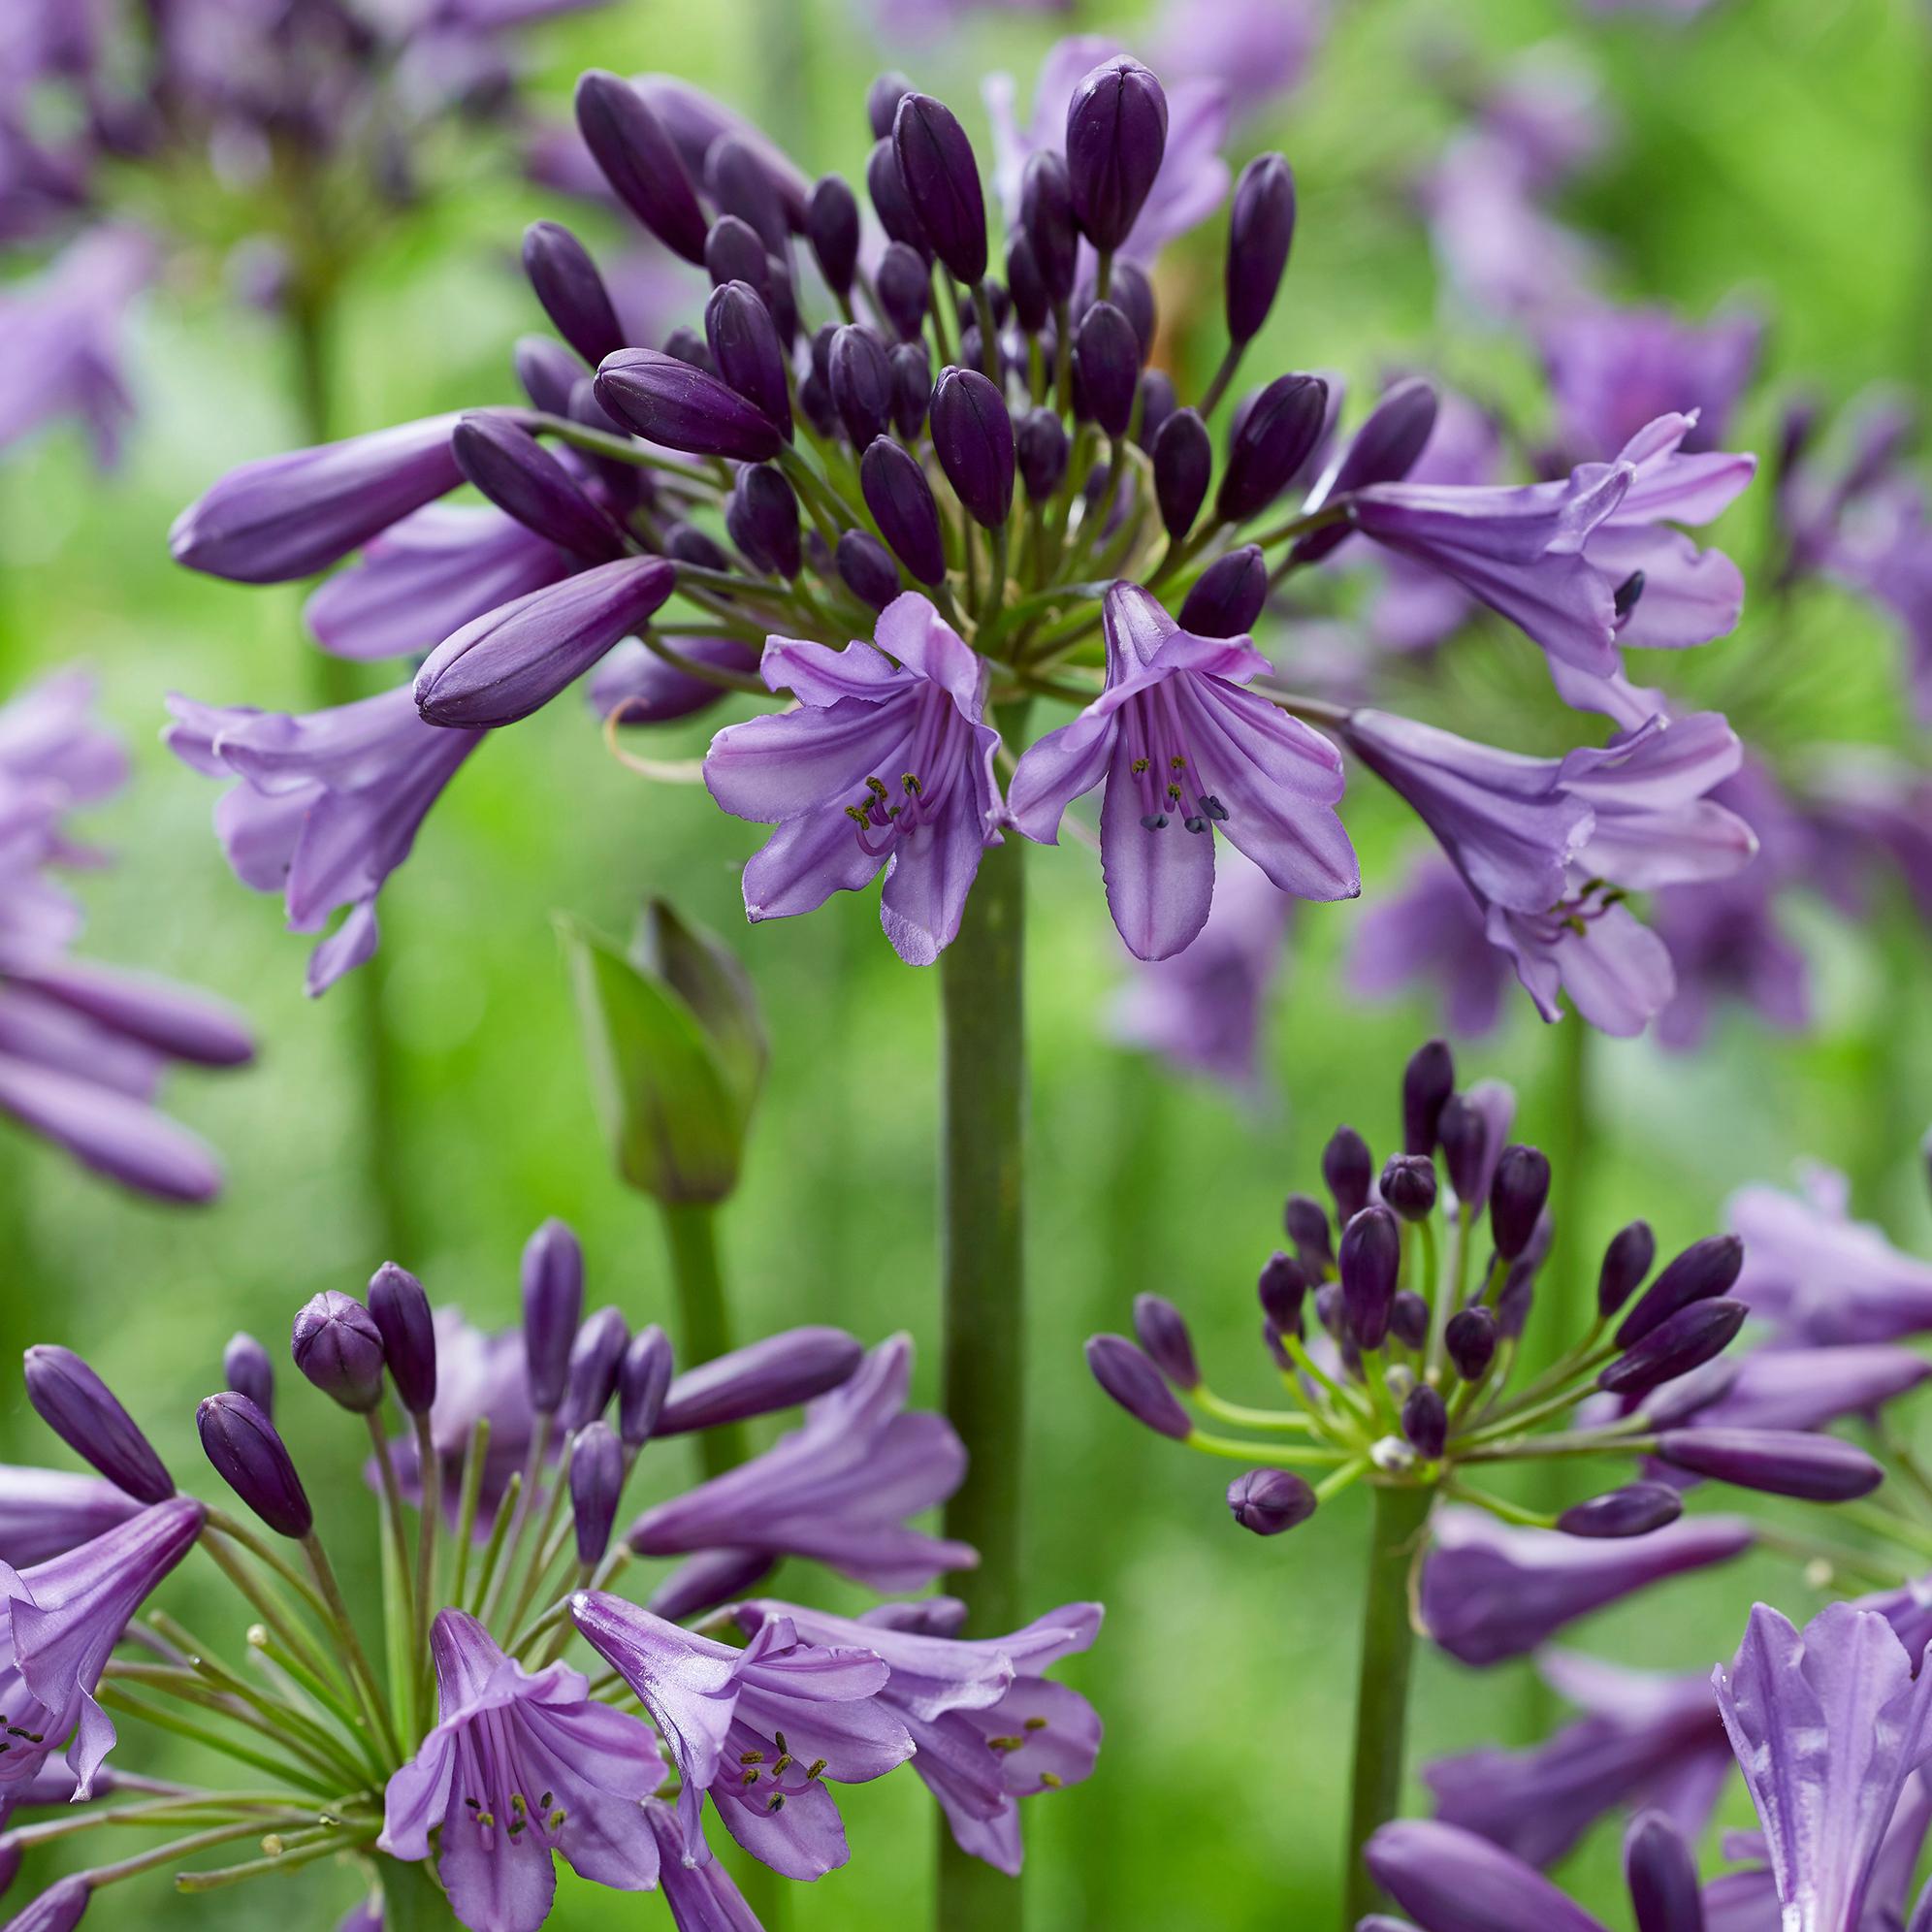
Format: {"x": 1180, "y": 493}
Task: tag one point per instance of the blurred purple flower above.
{"x": 1867, "y": 810}
{"x": 641, "y": 688}
{"x": 1256, "y": 50}
{"x": 1433, "y": 929}
{"x": 1883, "y": 549}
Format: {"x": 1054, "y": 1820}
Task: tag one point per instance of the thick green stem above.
{"x": 1382, "y": 1704}
{"x": 982, "y": 1173}
{"x": 411, "y": 1899}
{"x": 704, "y": 1322}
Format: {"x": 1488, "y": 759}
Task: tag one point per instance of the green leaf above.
{"x": 672, "y": 1114}
{"x": 711, "y": 982}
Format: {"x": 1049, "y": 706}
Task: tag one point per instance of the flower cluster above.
{"x": 83, "y": 1047}
{"x": 481, "y": 1752}
{"x": 1397, "y": 1353}
{"x": 916, "y": 564}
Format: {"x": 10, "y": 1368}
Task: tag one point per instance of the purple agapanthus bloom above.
{"x": 327, "y": 805}
{"x": 1547, "y": 106}
{"x": 43, "y": 1513}
{"x": 990, "y": 1727}
{"x": 1883, "y": 549}
{"x": 1819, "y": 1278}
{"x": 1192, "y": 178}
{"x": 63, "y": 1618}
{"x": 1803, "y": 1387}
{"x": 1203, "y": 1011}
{"x": 1870, "y": 814}
{"x": 837, "y": 1489}
{"x": 636, "y": 686}
{"x": 1828, "y": 1728}
{"x": 702, "y": 1897}
{"x": 1451, "y": 1881}
{"x": 1432, "y": 929}
{"x": 1185, "y": 752}
{"x": 520, "y": 1766}
{"x": 1491, "y": 1593}
{"x": 1256, "y": 50}
{"x": 758, "y": 1731}
{"x": 1645, "y": 1739}
{"x": 887, "y": 763}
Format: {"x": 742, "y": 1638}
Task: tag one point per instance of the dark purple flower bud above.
{"x": 643, "y": 1381}
{"x": 778, "y": 1373}
{"x": 1031, "y": 305}
{"x": 1780, "y": 1462}
{"x": 861, "y": 379}
{"x": 866, "y": 569}
{"x": 1116, "y": 134}
{"x": 571, "y": 291}
{"x": 591, "y": 1379}
{"x": 1330, "y": 1313}
{"x": 749, "y": 357}
{"x": 882, "y": 102}
{"x": 972, "y": 435}
{"x": 1471, "y": 1338}
{"x": 1268, "y": 1502}
{"x": 1409, "y": 1322}
{"x": 816, "y": 405}
{"x": 761, "y": 515}
{"x": 523, "y": 479}
{"x": 1282, "y": 1288}
{"x": 1261, "y": 231}
{"x": 1136, "y": 1384}
{"x": 1426, "y": 1422}
{"x": 1428, "y": 1082}
{"x": 1521, "y": 1187}
{"x": 1661, "y": 1874}
{"x": 252, "y": 1460}
{"x": 1514, "y": 1300}
{"x": 734, "y": 251}
{"x": 941, "y": 175}
{"x": 547, "y": 373}
{"x": 911, "y": 388}
{"x": 640, "y": 161}
{"x": 822, "y": 339}
{"x": 891, "y": 202}
{"x": 1463, "y": 1133}
{"x": 1635, "y": 1510}
{"x": 1183, "y": 467}
{"x": 1678, "y": 1345}
{"x": 677, "y": 405}
{"x": 1369, "y": 1257}
{"x": 1227, "y": 595}
{"x": 686, "y": 544}
{"x": 1307, "y": 1222}
{"x": 515, "y": 659}
{"x": 1626, "y": 1262}
{"x": 401, "y": 1314}
{"x": 905, "y": 289}
{"x": 1408, "y": 1185}
{"x": 1158, "y": 402}
{"x": 1046, "y": 218}
{"x": 250, "y": 1370}
{"x": 706, "y": 1581}
{"x": 1384, "y": 450}
{"x": 1349, "y": 1170}
{"x": 1042, "y": 451}
{"x": 336, "y": 1344}
{"x": 624, "y": 486}
{"x": 553, "y": 1304}
{"x": 1162, "y": 1331}
{"x": 83, "y": 1412}
{"x": 1271, "y": 1337}
{"x": 1707, "y": 1267}
{"x": 738, "y": 183}
{"x": 1675, "y": 1404}
{"x": 1106, "y": 365}
{"x": 596, "y": 1482}
{"x": 900, "y": 499}
{"x": 1281, "y": 426}
{"x": 831, "y": 226}
{"x": 1132, "y": 294}
{"x": 689, "y": 346}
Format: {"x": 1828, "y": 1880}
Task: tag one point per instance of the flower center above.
{"x": 1164, "y": 766}
{"x": 934, "y": 752}
{"x": 495, "y": 1798}
{"x": 767, "y": 1773}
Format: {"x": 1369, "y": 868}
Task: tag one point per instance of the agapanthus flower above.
{"x": 1433, "y": 929}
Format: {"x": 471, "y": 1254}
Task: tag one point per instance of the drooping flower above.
{"x": 520, "y": 1766}
{"x": 884, "y": 765}
{"x": 988, "y": 1726}
{"x": 1185, "y": 752}
{"x": 327, "y": 805}
{"x": 837, "y": 1489}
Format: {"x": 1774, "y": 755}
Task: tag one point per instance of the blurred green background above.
{"x": 1774, "y": 146}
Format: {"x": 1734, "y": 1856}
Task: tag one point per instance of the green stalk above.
{"x": 1381, "y": 1708}
{"x": 704, "y": 1322}
{"x": 411, "y": 1899}
{"x": 981, "y": 1178}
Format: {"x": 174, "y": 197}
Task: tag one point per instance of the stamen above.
{"x": 1036, "y": 1723}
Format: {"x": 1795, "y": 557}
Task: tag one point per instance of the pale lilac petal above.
{"x": 1160, "y": 883}
{"x": 803, "y": 863}
{"x": 770, "y": 769}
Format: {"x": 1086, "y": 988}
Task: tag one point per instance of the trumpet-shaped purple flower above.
{"x": 1491, "y": 1593}
{"x": 702, "y": 1897}
{"x": 1828, "y": 1728}
{"x": 1185, "y": 752}
{"x": 837, "y": 1489}
{"x": 1643, "y": 1739}
{"x": 1800, "y": 1387}
{"x": 1451, "y": 1881}
{"x": 327, "y": 807}
{"x": 884, "y": 764}
{"x": 636, "y": 686}
{"x": 520, "y": 1766}
{"x": 990, "y": 1727}
{"x": 43, "y": 1513}
{"x": 62, "y": 1620}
